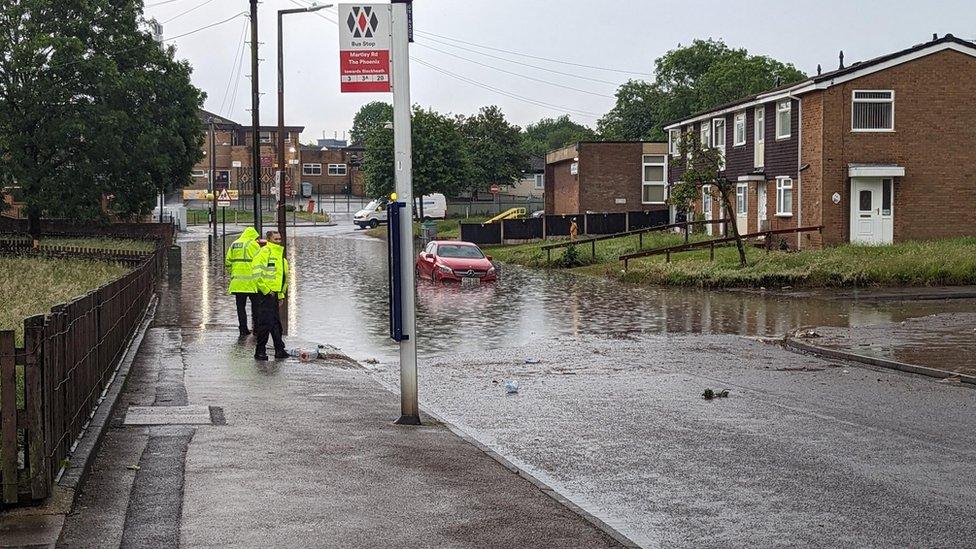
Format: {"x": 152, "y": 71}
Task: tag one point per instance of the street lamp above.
{"x": 282, "y": 222}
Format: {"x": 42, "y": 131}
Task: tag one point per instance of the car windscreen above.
{"x": 454, "y": 250}
{"x": 372, "y": 205}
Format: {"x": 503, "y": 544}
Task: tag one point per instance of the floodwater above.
{"x": 339, "y": 296}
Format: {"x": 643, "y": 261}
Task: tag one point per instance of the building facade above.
{"x": 609, "y": 176}
{"x": 332, "y": 171}
{"x": 877, "y": 152}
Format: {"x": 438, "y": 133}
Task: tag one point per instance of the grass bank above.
{"x": 918, "y": 263}
{"x": 446, "y": 228}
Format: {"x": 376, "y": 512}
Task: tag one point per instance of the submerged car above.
{"x": 456, "y": 261}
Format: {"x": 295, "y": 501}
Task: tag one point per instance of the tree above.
{"x": 705, "y": 173}
{"x": 494, "y": 148}
{"x": 688, "y": 80}
{"x": 553, "y": 133}
{"x": 371, "y": 115}
{"x": 439, "y": 162}
{"x": 91, "y": 108}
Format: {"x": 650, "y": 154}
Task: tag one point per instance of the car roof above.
{"x": 459, "y": 242}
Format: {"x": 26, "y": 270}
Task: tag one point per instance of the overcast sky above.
{"x": 623, "y": 35}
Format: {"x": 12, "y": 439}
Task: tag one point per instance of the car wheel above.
{"x": 373, "y": 223}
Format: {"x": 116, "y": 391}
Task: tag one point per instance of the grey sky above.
{"x": 618, "y": 34}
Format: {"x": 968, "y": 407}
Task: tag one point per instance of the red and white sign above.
{"x": 364, "y": 47}
{"x": 495, "y": 189}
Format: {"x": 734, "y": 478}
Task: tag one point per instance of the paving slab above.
{"x": 168, "y": 415}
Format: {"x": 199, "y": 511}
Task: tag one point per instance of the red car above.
{"x": 455, "y": 261}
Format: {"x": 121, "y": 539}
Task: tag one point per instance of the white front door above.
{"x": 872, "y": 213}
{"x": 742, "y": 208}
{"x": 761, "y": 205}
{"x": 707, "y": 207}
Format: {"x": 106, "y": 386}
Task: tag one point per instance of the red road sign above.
{"x": 364, "y": 71}
{"x": 495, "y": 189}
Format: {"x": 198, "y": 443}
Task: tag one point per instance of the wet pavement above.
{"x": 804, "y": 452}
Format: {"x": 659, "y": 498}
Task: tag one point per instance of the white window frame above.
{"x": 705, "y": 134}
{"x": 783, "y": 184}
{"x": 540, "y": 181}
{"x": 716, "y": 122}
{"x": 664, "y": 174}
{"x": 741, "y": 199}
{"x": 261, "y": 138}
{"x": 706, "y": 199}
{"x": 312, "y": 168}
{"x": 200, "y": 174}
{"x": 854, "y": 100}
{"x": 337, "y": 169}
{"x": 674, "y": 142}
{"x": 739, "y": 123}
{"x": 784, "y": 106}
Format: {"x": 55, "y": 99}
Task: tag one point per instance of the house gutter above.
{"x": 799, "y": 170}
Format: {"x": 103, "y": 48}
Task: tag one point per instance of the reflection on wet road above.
{"x": 339, "y": 296}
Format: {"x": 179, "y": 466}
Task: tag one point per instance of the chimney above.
{"x": 935, "y": 37}
{"x": 841, "y": 59}
{"x": 818, "y": 69}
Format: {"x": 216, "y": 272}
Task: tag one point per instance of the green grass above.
{"x": 917, "y": 263}
{"x": 199, "y": 217}
{"x": 607, "y": 251}
{"x": 446, "y": 228}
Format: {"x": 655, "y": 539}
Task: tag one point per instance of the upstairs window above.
{"x": 873, "y": 111}
{"x": 739, "y": 133}
{"x": 336, "y": 169}
{"x": 783, "y": 119}
{"x": 706, "y": 135}
{"x": 674, "y": 142}
{"x": 540, "y": 181}
{"x": 718, "y": 139}
{"x": 265, "y": 137}
{"x": 311, "y": 169}
{"x": 654, "y": 184}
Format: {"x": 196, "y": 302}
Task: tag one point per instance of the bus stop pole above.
{"x": 403, "y": 170}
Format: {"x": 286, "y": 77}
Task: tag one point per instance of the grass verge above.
{"x": 446, "y": 228}
{"x": 917, "y": 263}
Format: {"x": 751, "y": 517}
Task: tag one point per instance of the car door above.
{"x": 426, "y": 267}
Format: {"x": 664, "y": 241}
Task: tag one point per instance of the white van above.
{"x": 374, "y": 213}
{"x": 435, "y": 206}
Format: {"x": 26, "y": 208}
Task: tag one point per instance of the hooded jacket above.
{"x": 270, "y": 270}
{"x": 238, "y": 263}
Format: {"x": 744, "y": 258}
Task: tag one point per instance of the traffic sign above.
{"x": 364, "y": 47}
{"x": 495, "y": 189}
{"x": 223, "y": 199}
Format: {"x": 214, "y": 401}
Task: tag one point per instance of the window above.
{"x": 707, "y": 200}
{"x": 718, "y": 139}
{"x": 265, "y": 137}
{"x": 199, "y": 173}
{"x": 654, "y": 185}
{"x": 335, "y": 169}
{"x": 311, "y": 169}
{"x": 864, "y": 199}
{"x": 885, "y": 197}
{"x": 873, "y": 111}
{"x": 674, "y": 142}
{"x": 784, "y": 196}
{"x": 706, "y": 135}
{"x": 783, "y": 112}
{"x": 740, "y": 199}
{"x": 739, "y": 130}
{"x": 540, "y": 181}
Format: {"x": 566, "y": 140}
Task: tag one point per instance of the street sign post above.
{"x": 223, "y": 199}
{"x": 364, "y": 47}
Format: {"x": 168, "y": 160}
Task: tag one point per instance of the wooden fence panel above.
{"x": 8, "y": 411}
{"x": 35, "y": 462}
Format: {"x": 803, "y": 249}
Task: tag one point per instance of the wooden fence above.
{"x": 685, "y": 226}
{"x": 67, "y": 361}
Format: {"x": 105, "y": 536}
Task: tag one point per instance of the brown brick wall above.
{"x": 813, "y": 200}
{"x": 565, "y": 189}
{"x": 933, "y": 139}
{"x": 329, "y": 184}
{"x": 609, "y": 171}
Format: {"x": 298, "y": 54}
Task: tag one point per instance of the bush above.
{"x": 571, "y": 258}
{"x": 289, "y": 208}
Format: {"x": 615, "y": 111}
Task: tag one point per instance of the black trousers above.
{"x": 242, "y": 312}
{"x": 267, "y": 323}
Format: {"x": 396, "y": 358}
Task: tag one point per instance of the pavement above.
{"x": 296, "y": 454}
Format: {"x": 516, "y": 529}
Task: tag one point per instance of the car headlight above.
{"x": 445, "y": 269}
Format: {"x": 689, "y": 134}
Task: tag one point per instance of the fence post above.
{"x": 548, "y": 255}
{"x": 711, "y": 251}
{"x": 626, "y": 222}
{"x": 8, "y": 416}
{"x": 544, "y": 228}
{"x": 640, "y": 239}
{"x": 584, "y": 224}
{"x": 593, "y": 248}
{"x": 667, "y": 256}
{"x": 687, "y": 229}
{"x": 34, "y": 406}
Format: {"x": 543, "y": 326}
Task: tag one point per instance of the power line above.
{"x": 234, "y": 67}
{"x": 522, "y": 54}
{"x": 181, "y": 14}
{"x": 505, "y": 93}
{"x": 205, "y": 28}
{"x": 518, "y": 74}
{"x": 164, "y": 2}
{"x": 537, "y": 67}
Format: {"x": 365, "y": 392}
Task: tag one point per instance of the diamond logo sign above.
{"x": 364, "y": 47}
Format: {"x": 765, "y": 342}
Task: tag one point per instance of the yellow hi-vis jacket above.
{"x": 270, "y": 270}
{"x": 238, "y": 263}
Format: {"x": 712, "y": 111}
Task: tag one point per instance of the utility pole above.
{"x": 403, "y": 173}
{"x": 255, "y": 119}
{"x": 213, "y": 181}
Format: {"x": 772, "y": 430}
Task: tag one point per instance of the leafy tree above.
{"x": 90, "y": 108}
{"x": 688, "y": 80}
{"x": 439, "y": 162}
{"x": 553, "y": 133}
{"x": 494, "y": 147}
{"x": 371, "y": 115}
{"x": 705, "y": 169}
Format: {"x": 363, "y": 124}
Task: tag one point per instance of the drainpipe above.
{"x": 799, "y": 162}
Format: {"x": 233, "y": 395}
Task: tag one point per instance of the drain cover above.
{"x": 168, "y": 415}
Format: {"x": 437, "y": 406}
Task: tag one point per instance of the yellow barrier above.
{"x": 511, "y": 213}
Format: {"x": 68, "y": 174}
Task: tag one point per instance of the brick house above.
{"x": 853, "y": 150}
{"x": 333, "y": 171}
{"x": 232, "y": 145}
{"x": 608, "y": 176}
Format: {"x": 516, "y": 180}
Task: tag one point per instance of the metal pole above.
{"x": 282, "y": 222}
{"x": 213, "y": 179}
{"x": 403, "y": 170}
{"x": 223, "y": 229}
{"x": 255, "y": 120}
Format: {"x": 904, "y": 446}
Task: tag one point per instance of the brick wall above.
{"x": 610, "y": 171}
{"x": 564, "y": 189}
{"x": 934, "y": 140}
{"x": 331, "y": 184}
